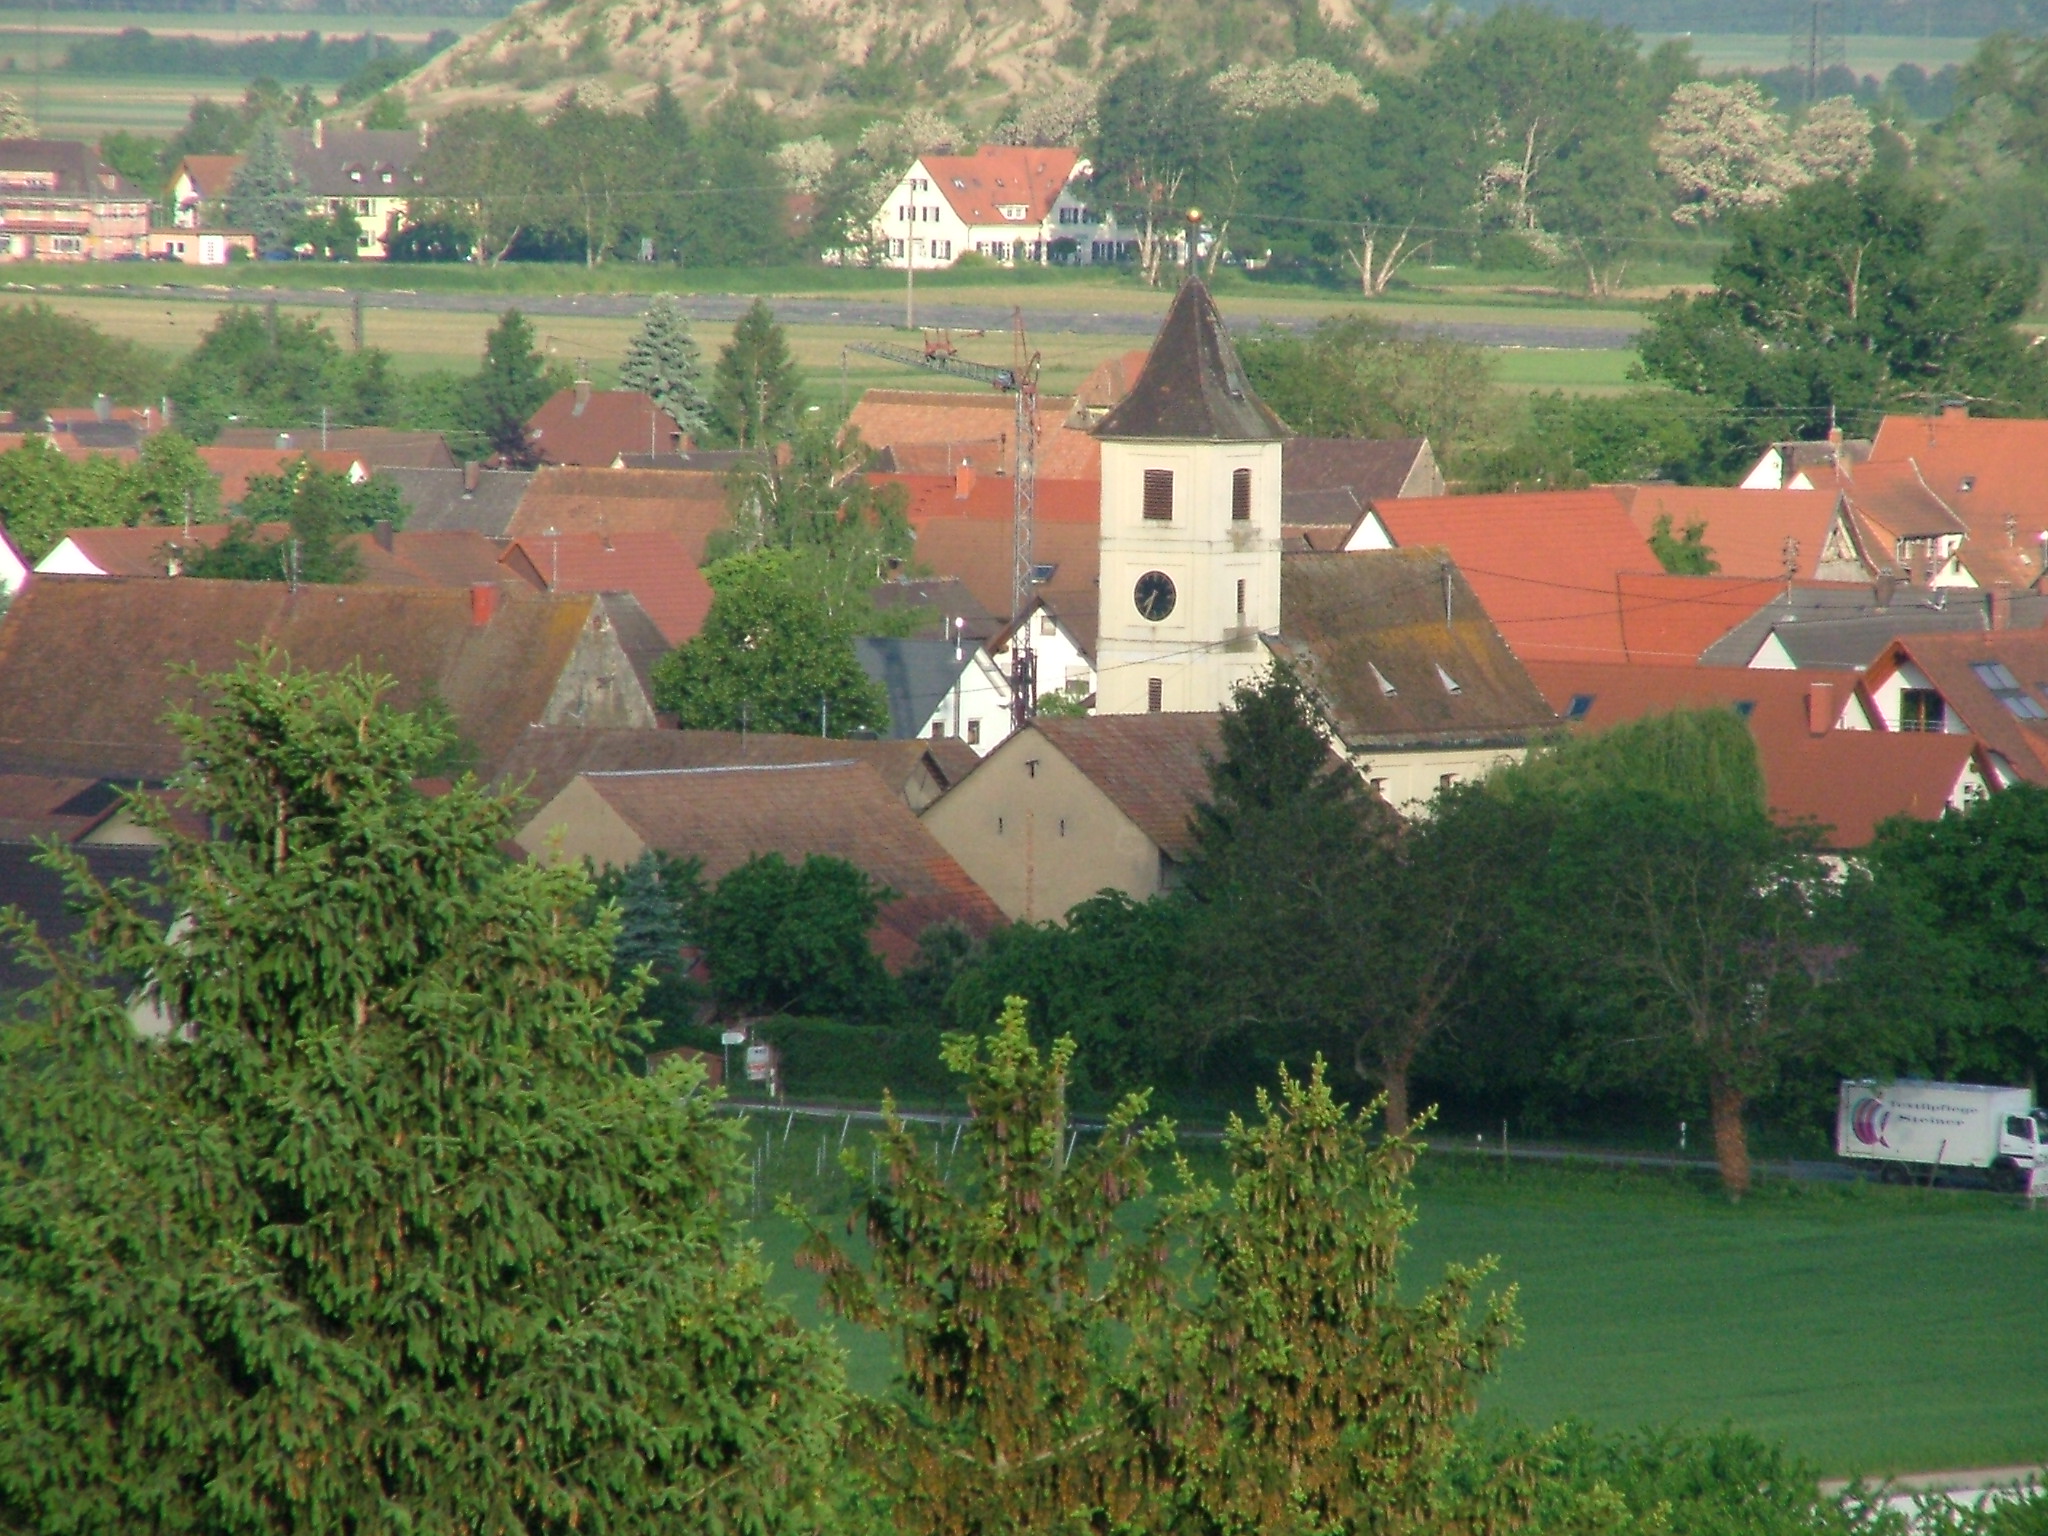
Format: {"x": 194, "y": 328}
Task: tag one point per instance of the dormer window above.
{"x": 1968, "y": 483}
{"x": 355, "y": 173}
{"x": 1386, "y": 686}
{"x": 385, "y": 178}
{"x": 1450, "y": 683}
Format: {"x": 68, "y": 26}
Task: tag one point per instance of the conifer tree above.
{"x": 374, "y": 1233}
{"x": 754, "y": 386}
{"x": 663, "y": 362}
{"x": 512, "y": 384}
{"x": 261, "y": 198}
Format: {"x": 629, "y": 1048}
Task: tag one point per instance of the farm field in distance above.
{"x": 1873, "y": 53}
{"x": 1873, "y": 1330}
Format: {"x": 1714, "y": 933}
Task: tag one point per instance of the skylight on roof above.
{"x": 1041, "y": 574}
{"x": 1450, "y": 683}
{"x": 2007, "y": 690}
{"x": 1744, "y": 708}
{"x": 1580, "y": 706}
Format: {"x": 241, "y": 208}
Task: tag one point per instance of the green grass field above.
{"x": 1871, "y": 1330}
{"x": 1866, "y": 53}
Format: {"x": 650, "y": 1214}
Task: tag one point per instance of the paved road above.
{"x": 857, "y": 312}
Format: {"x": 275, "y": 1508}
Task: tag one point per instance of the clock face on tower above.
{"x": 1154, "y": 595}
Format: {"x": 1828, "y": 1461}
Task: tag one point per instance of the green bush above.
{"x": 824, "y": 1059}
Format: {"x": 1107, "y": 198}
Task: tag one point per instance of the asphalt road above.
{"x": 856, "y": 312}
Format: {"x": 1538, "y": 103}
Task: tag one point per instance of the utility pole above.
{"x": 910, "y": 246}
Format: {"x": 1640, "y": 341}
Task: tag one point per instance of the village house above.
{"x": 199, "y": 190}
{"x": 59, "y": 201}
{"x": 938, "y": 689}
{"x": 1011, "y": 203}
{"x": 485, "y": 500}
{"x": 1992, "y": 684}
{"x": 1833, "y": 624}
{"x": 594, "y": 428}
{"x": 1068, "y": 808}
{"x": 370, "y": 174}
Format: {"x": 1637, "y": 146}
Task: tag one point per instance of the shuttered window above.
{"x": 1241, "y": 496}
{"x": 1159, "y": 495}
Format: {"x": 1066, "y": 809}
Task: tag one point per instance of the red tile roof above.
{"x": 592, "y": 427}
{"x": 978, "y": 551}
{"x": 992, "y": 499}
{"x": 2003, "y": 464}
{"x": 689, "y": 503}
{"x": 1845, "y": 780}
{"x": 1948, "y": 659}
{"x": 1746, "y": 530}
{"x": 150, "y": 550}
{"x": 655, "y": 567}
{"x": 929, "y": 431}
{"x": 211, "y": 174}
{"x": 1002, "y": 175}
{"x": 441, "y": 557}
{"x": 235, "y": 466}
{"x": 1565, "y": 576}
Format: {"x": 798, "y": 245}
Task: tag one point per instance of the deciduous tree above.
{"x": 380, "y": 1230}
{"x": 1723, "y": 148}
{"x": 783, "y": 938}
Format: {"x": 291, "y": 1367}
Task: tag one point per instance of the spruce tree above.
{"x": 261, "y": 198}
{"x": 754, "y": 386}
{"x": 375, "y": 1233}
{"x": 663, "y": 362}
{"x": 512, "y": 384}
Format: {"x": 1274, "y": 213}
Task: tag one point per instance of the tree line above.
{"x": 378, "y": 1226}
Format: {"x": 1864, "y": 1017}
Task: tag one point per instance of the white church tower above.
{"x": 1190, "y": 524}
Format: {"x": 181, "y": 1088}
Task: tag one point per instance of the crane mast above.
{"x": 1019, "y": 380}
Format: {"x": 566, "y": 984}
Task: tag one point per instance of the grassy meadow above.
{"x": 1872, "y": 1330}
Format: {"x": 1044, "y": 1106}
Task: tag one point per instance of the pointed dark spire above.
{"x": 1192, "y": 388}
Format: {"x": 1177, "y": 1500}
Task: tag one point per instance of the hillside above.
{"x": 810, "y": 55}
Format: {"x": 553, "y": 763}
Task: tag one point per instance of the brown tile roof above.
{"x": 452, "y": 557}
{"x": 1948, "y": 661}
{"x": 842, "y": 808}
{"x": 1383, "y": 636}
{"x": 377, "y": 447}
{"x": 1193, "y": 388}
{"x": 929, "y": 431}
{"x": 1328, "y": 481}
{"x": 1846, "y": 780}
{"x": 688, "y": 503}
{"x": 1003, "y": 175}
{"x": 235, "y": 466}
{"x": 992, "y": 498}
{"x": 655, "y": 567}
{"x": 35, "y": 806}
{"x": 151, "y": 549}
{"x": 85, "y": 664}
{"x": 1154, "y": 768}
{"x": 550, "y": 756}
{"x": 442, "y": 498}
{"x": 1891, "y": 501}
{"x": 1565, "y": 576}
{"x": 78, "y": 169}
{"x": 211, "y": 174}
{"x": 1746, "y": 530}
{"x": 944, "y": 598}
{"x": 591, "y": 427}
{"x": 326, "y": 168}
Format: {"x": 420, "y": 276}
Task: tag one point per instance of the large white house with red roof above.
{"x": 1011, "y": 203}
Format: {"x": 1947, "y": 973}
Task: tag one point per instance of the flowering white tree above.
{"x": 1833, "y": 144}
{"x": 1247, "y": 92}
{"x": 1054, "y": 117}
{"x": 805, "y": 163}
{"x": 1723, "y": 148}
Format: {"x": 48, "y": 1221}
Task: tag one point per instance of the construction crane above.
{"x": 1019, "y": 380}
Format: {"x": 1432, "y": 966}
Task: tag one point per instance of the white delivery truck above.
{"x": 1912, "y": 1130}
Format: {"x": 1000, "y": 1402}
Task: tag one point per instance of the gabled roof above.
{"x": 86, "y": 664}
{"x": 35, "y": 806}
{"x": 930, "y": 431}
{"x": 442, "y": 498}
{"x": 1328, "y": 481}
{"x": 1193, "y": 388}
{"x": 979, "y": 552}
{"x": 946, "y": 598}
{"x": 1108, "y": 382}
{"x": 409, "y": 557}
{"x": 591, "y": 427}
{"x": 1383, "y": 636}
{"x": 992, "y": 499}
{"x": 1845, "y": 779}
{"x": 840, "y": 808}
{"x": 1024, "y": 178}
{"x": 378, "y": 447}
{"x": 1746, "y": 530}
{"x": 1949, "y": 662}
{"x": 654, "y": 567}
{"x": 689, "y": 503}
{"x": 148, "y": 550}
{"x": 46, "y": 901}
{"x": 235, "y": 467}
{"x": 1988, "y": 473}
{"x": 1154, "y": 768}
{"x": 1565, "y": 576}
{"x": 210, "y": 175}
{"x": 324, "y": 160}
{"x": 76, "y": 168}
{"x": 916, "y": 675}
{"x": 543, "y": 759}
{"x": 1843, "y": 624}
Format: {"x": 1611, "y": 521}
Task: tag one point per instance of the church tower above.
{"x": 1190, "y": 540}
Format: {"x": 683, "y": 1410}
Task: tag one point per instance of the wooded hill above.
{"x": 812, "y": 54}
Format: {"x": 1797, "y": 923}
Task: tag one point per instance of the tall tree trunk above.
{"x": 1731, "y": 1141}
{"x": 1394, "y": 1084}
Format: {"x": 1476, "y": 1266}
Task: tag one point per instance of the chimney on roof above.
{"x": 1820, "y": 708}
{"x": 381, "y": 532}
{"x": 1955, "y": 410}
{"x": 483, "y": 602}
{"x": 471, "y": 472}
{"x": 582, "y": 395}
{"x": 319, "y": 133}
{"x": 103, "y": 407}
{"x": 963, "y": 480}
{"x": 2001, "y": 604}
{"x": 284, "y": 441}
{"x": 1881, "y": 590}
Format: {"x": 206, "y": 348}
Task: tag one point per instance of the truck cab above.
{"x": 2023, "y": 1140}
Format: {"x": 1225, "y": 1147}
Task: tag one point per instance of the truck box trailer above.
{"x": 1914, "y": 1129}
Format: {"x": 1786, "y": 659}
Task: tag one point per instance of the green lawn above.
{"x": 1866, "y": 53}
{"x": 1872, "y": 1330}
